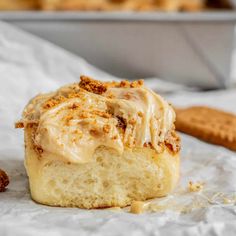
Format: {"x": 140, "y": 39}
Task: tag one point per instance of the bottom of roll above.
{"x": 109, "y": 180}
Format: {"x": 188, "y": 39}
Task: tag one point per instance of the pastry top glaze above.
{"x": 76, "y": 119}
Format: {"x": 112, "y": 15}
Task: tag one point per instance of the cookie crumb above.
{"x": 136, "y": 83}
{"x": 4, "y": 180}
{"x": 95, "y": 132}
{"x": 113, "y": 209}
{"x": 91, "y": 85}
{"x": 54, "y": 101}
{"x": 106, "y": 128}
{"x": 19, "y": 125}
{"x": 227, "y": 201}
{"x": 172, "y": 141}
{"x": 195, "y": 187}
{"x": 137, "y": 207}
{"x": 140, "y": 114}
{"x": 132, "y": 121}
{"x": 102, "y": 114}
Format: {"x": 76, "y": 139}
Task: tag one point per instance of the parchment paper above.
{"x": 29, "y": 66}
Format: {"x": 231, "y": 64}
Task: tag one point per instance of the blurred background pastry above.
{"x": 115, "y": 5}
{"x": 136, "y": 5}
{"x": 18, "y": 5}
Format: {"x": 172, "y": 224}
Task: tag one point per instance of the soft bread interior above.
{"x": 109, "y": 180}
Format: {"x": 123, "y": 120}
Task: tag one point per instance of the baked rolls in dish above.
{"x": 99, "y": 144}
{"x": 117, "y": 5}
{"x": 135, "y": 5}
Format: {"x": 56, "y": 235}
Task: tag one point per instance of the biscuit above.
{"x": 4, "y": 180}
{"x": 209, "y": 124}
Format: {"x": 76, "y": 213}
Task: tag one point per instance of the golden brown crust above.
{"x": 211, "y": 125}
{"x": 4, "y": 180}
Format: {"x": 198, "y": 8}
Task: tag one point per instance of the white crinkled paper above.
{"x": 28, "y": 66}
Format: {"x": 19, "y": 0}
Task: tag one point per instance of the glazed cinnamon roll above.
{"x": 99, "y": 144}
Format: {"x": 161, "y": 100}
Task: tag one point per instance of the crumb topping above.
{"x": 74, "y": 106}
{"x": 140, "y": 114}
{"x": 149, "y": 145}
{"x": 132, "y": 121}
{"x": 30, "y": 124}
{"x": 19, "y": 125}
{"x": 84, "y": 114}
{"x": 53, "y": 102}
{"x": 115, "y": 137}
{"x": 39, "y": 149}
{"x": 67, "y": 119}
{"x": 95, "y": 132}
{"x": 74, "y": 94}
{"x": 98, "y": 87}
{"x": 104, "y": 117}
{"x": 93, "y": 86}
{"x": 106, "y": 128}
{"x": 137, "y": 84}
{"x": 125, "y": 84}
{"x": 101, "y": 113}
{"x": 172, "y": 141}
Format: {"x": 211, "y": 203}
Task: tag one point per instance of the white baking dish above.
{"x": 191, "y": 48}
